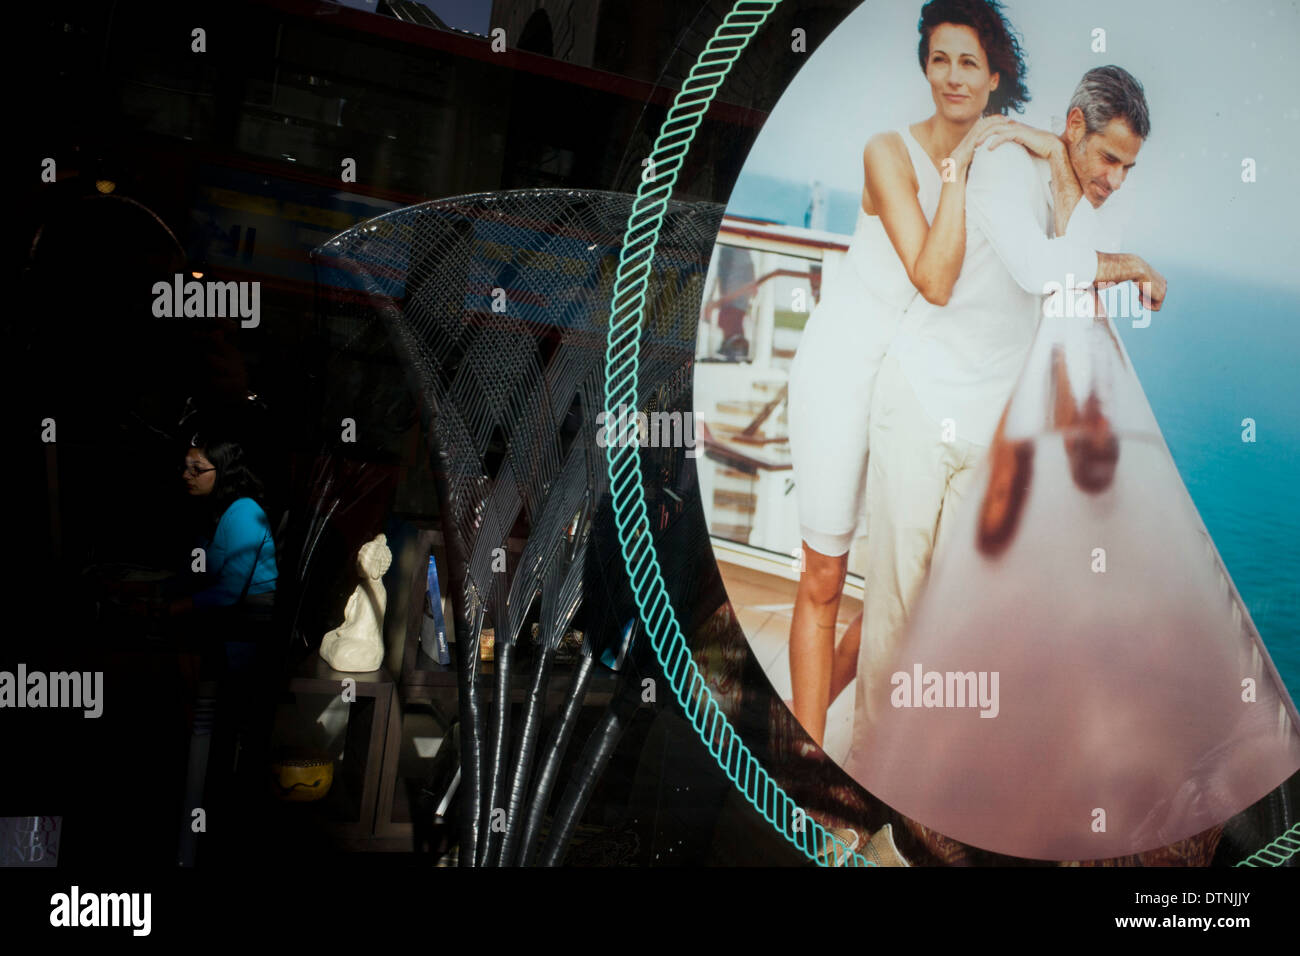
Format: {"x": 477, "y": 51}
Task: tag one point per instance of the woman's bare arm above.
{"x": 932, "y": 253}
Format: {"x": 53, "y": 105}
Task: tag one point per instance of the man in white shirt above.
{"x": 952, "y": 367}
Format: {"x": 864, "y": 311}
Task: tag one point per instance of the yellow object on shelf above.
{"x": 301, "y": 779}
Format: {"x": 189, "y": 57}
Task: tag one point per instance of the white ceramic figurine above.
{"x": 357, "y": 645}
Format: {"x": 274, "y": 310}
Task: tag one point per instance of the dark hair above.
{"x": 1107, "y": 92}
{"x": 234, "y": 479}
{"x": 1001, "y": 46}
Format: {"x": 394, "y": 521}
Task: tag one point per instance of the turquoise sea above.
{"x": 1220, "y": 351}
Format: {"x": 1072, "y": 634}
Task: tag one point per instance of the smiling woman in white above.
{"x": 909, "y": 240}
{"x": 835, "y": 368}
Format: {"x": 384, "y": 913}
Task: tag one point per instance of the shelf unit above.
{"x": 385, "y": 824}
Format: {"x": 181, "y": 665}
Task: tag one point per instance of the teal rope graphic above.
{"x": 621, "y": 370}
{"x": 1277, "y": 852}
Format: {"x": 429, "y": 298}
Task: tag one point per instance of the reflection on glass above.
{"x": 1081, "y": 679}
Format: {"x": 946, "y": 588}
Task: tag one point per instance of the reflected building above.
{"x": 281, "y": 123}
{"x": 631, "y": 39}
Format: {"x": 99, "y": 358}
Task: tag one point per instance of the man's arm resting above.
{"x": 1000, "y": 201}
{"x": 1120, "y": 267}
{"x": 1115, "y": 267}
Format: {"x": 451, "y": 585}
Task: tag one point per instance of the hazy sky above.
{"x": 463, "y": 14}
{"x": 1220, "y": 79}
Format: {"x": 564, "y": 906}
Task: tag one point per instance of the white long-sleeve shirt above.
{"x": 962, "y": 359}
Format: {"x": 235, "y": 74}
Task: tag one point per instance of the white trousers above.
{"x": 916, "y": 483}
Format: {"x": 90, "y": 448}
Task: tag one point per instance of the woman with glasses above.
{"x": 230, "y": 617}
{"x": 238, "y": 550}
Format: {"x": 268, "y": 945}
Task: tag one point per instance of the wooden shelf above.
{"x": 314, "y": 676}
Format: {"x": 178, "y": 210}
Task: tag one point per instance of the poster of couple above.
{"x": 996, "y": 368}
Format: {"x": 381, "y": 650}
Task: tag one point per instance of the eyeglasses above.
{"x": 191, "y": 470}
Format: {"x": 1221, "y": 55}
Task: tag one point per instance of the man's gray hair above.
{"x": 1108, "y": 92}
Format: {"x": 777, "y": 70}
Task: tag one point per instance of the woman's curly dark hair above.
{"x": 1001, "y": 46}
{"x": 234, "y": 478}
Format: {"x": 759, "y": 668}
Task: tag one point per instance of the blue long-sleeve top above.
{"x": 232, "y": 552}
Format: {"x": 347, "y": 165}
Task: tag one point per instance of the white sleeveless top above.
{"x": 872, "y": 254}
